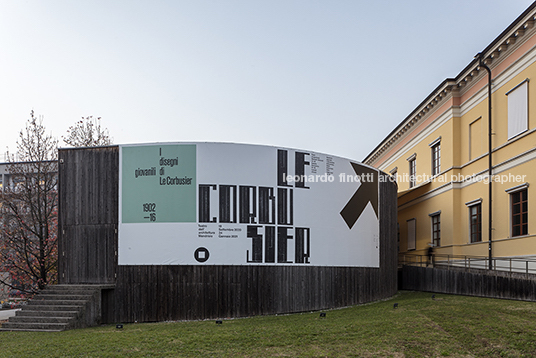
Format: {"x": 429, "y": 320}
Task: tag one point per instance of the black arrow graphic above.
{"x": 367, "y": 192}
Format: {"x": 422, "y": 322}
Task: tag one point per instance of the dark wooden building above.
{"x": 88, "y": 254}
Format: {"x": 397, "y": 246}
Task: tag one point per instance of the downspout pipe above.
{"x": 490, "y": 163}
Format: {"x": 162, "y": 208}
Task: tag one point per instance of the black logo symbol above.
{"x": 201, "y": 254}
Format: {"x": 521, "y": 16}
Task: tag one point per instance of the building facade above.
{"x": 440, "y": 155}
{"x": 31, "y": 228}
{"x": 5, "y": 177}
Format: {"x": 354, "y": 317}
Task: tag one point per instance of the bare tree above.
{"x": 87, "y": 133}
{"x": 29, "y": 207}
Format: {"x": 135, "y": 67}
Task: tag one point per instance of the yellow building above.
{"x": 440, "y": 155}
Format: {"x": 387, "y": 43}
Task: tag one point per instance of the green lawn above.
{"x": 449, "y": 326}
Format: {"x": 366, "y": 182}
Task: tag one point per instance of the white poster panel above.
{"x": 237, "y": 204}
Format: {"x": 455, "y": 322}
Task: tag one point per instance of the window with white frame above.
{"x": 475, "y": 222}
{"x": 436, "y": 158}
{"x": 412, "y": 170}
{"x": 518, "y": 109}
{"x": 436, "y": 229}
{"x": 519, "y": 207}
{"x": 394, "y": 173}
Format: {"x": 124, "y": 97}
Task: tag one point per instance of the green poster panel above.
{"x": 159, "y": 184}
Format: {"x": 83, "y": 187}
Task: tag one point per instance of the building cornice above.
{"x": 505, "y": 44}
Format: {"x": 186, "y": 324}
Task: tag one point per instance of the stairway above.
{"x": 57, "y": 308}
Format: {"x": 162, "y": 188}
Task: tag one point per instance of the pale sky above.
{"x": 327, "y": 76}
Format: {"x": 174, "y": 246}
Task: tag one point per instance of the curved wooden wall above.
{"x": 88, "y": 189}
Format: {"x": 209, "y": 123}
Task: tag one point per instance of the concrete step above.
{"x": 28, "y": 330}
{"x": 47, "y": 302}
{"x": 39, "y": 319}
{"x": 76, "y": 287}
{"x": 35, "y": 326}
{"x": 66, "y": 290}
{"x": 55, "y": 309}
{"x": 48, "y": 296}
{"x": 36, "y": 307}
{"x": 29, "y": 313}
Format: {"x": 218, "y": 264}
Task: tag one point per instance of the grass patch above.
{"x": 449, "y": 326}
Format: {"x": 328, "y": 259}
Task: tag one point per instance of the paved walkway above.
{"x": 5, "y": 314}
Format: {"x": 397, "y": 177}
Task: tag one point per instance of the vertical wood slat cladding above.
{"x": 88, "y": 214}
{"x": 471, "y": 282}
{"x": 89, "y": 182}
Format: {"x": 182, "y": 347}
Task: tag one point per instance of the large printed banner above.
{"x": 237, "y": 204}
